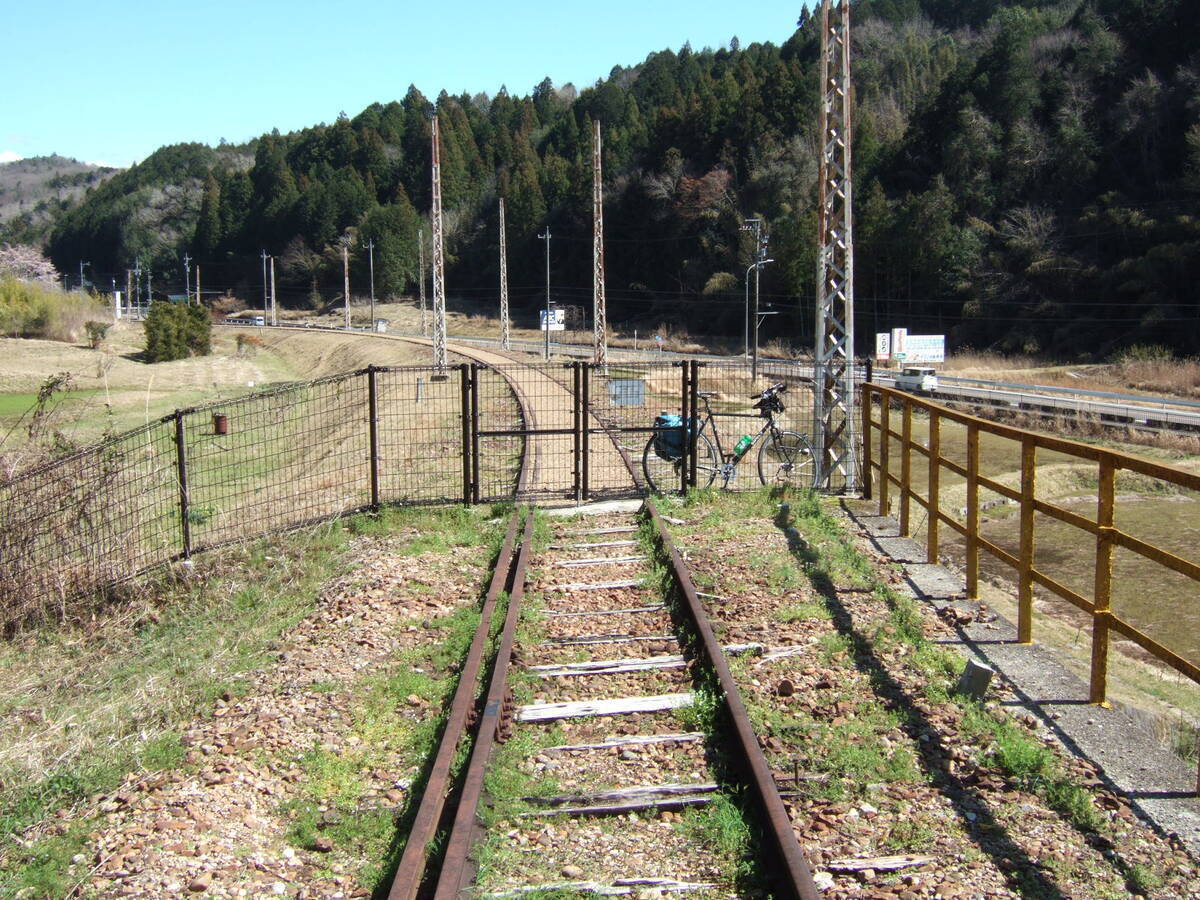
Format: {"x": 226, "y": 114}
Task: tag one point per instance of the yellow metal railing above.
{"x": 878, "y": 410}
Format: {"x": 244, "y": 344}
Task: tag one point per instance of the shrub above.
{"x": 96, "y": 332}
{"x": 176, "y": 331}
{"x": 33, "y": 310}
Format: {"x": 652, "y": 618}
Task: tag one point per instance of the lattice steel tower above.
{"x": 835, "y": 402}
{"x": 599, "y": 318}
{"x": 439, "y": 269}
{"x": 504, "y": 333}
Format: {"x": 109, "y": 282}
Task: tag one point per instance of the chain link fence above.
{"x": 312, "y": 451}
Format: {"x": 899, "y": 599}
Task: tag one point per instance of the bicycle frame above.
{"x": 728, "y": 463}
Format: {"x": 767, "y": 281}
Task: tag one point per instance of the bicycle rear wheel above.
{"x": 786, "y": 458}
{"x": 662, "y": 475}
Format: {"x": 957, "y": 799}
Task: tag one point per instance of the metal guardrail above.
{"x": 1107, "y": 536}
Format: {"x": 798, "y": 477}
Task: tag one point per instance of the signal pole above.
{"x": 439, "y": 273}
{"x": 421, "y": 279}
{"x": 546, "y": 237}
{"x": 505, "y": 341}
{"x": 369, "y": 246}
{"x": 187, "y": 277}
{"x": 834, "y": 406}
{"x": 599, "y": 318}
{"x": 754, "y": 225}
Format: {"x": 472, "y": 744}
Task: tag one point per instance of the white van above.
{"x": 919, "y": 379}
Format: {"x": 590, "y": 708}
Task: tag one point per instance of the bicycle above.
{"x": 784, "y": 457}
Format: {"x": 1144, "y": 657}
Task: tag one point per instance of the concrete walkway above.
{"x": 1160, "y": 787}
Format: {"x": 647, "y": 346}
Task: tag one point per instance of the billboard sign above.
{"x": 558, "y": 320}
{"x": 883, "y": 346}
{"x": 925, "y": 348}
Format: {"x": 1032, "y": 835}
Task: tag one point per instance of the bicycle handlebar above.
{"x": 778, "y": 388}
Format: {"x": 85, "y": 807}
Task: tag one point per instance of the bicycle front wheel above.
{"x": 662, "y": 475}
{"x": 786, "y": 458}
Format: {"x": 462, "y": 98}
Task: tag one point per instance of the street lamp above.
{"x": 754, "y": 360}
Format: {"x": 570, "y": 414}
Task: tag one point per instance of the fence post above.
{"x": 1103, "y": 600}
{"x": 373, "y": 424}
{"x": 933, "y": 507}
{"x": 885, "y": 425}
{"x": 906, "y": 468}
{"x": 585, "y": 436}
{"x": 576, "y": 420}
{"x": 475, "y": 433}
{"x": 1025, "y": 568}
{"x": 973, "y": 512}
{"x": 685, "y": 427}
{"x": 866, "y": 433}
{"x": 464, "y": 384}
{"x": 694, "y": 416}
{"x": 181, "y": 469}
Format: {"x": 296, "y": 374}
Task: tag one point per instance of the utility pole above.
{"x": 274, "y": 319}
{"x": 421, "y": 279}
{"x": 755, "y": 225}
{"x": 505, "y": 340}
{"x": 346, "y": 275}
{"x": 264, "y": 262}
{"x": 439, "y": 271}
{"x": 149, "y": 288}
{"x": 187, "y": 278}
{"x": 546, "y": 324}
{"x": 198, "y": 286}
{"x": 599, "y": 317}
{"x": 128, "y": 290}
{"x": 834, "y": 407}
{"x": 136, "y": 296}
{"x": 369, "y": 246}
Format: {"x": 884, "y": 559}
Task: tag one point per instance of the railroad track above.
{"x": 630, "y": 717}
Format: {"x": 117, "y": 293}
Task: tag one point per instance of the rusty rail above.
{"x": 1108, "y": 537}
{"x": 412, "y": 862}
{"x": 792, "y": 877}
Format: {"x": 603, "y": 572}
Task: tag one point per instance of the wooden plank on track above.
{"x": 624, "y": 529}
{"x": 606, "y": 612}
{"x": 593, "y": 546}
{"x": 620, "y": 887}
{"x": 598, "y": 586}
{"x": 548, "y": 712}
{"x": 634, "y": 740}
{"x": 597, "y": 561}
{"x": 613, "y": 666}
{"x": 588, "y": 640}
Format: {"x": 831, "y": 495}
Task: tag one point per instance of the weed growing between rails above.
{"x": 855, "y": 705}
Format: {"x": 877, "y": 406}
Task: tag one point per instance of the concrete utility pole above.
{"x": 274, "y": 319}
{"x": 149, "y": 288}
{"x": 369, "y": 246}
{"x": 546, "y": 324}
{"x": 197, "y": 285}
{"x": 835, "y": 402}
{"x": 439, "y": 271}
{"x": 187, "y": 278}
{"x": 505, "y": 340}
{"x": 599, "y": 317}
{"x": 346, "y": 276}
{"x": 421, "y": 280}
{"x": 136, "y": 296}
{"x": 128, "y": 291}
{"x": 754, "y": 225}
{"x": 264, "y": 262}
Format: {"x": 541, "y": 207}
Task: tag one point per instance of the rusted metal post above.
{"x": 1025, "y": 562}
{"x": 185, "y": 520}
{"x": 576, "y": 420}
{"x": 586, "y": 444}
{"x": 973, "y": 512}
{"x": 693, "y": 416}
{"x": 906, "y": 469}
{"x": 373, "y": 426}
{"x": 475, "y": 433}
{"x": 1101, "y": 609}
{"x": 935, "y": 470}
{"x": 685, "y": 427}
{"x": 866, "y": 435}
{"x": 885, "y": 486}
{"x": 464, "y": 384}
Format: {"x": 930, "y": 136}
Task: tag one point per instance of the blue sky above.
{"x": 112, "y": 82}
